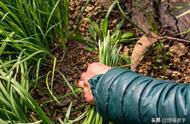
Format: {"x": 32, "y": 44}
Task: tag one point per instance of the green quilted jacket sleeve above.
{"x": 126, "y": 97}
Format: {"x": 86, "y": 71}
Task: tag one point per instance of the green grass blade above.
{"x": 49, "y": 90}
{"x": 51, "y": 14}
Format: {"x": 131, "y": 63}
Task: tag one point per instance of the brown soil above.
{"x": 170, "y": 61}
{"x": 74, "y": 63}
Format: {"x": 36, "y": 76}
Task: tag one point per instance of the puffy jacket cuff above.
{"x": 100, "y": 86}
{"x": 93, "y": 83}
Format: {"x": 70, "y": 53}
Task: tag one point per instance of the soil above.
{"x": 74, "y": 63}
{"x": 168, "y": 60}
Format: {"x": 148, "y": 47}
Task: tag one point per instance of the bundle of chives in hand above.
{"x": 108, "y": 55}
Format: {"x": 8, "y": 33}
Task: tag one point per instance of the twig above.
{"x": 105, "y": 11}
{"x": 173, "y": 38}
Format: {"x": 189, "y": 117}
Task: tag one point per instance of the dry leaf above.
{"x": 141, "y": 47}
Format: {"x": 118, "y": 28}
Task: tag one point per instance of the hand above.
{"x": 92, "y": 70}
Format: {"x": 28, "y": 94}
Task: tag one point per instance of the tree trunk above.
{"x": 153, "y": 15}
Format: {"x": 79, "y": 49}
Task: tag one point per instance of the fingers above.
{"x": 87, "y": 92}
{"x": 88, "y": 96}
{"x": 98, "y": 68}
{"x": 81, "y": 83}
{"x": 86, "y": 76}
{"x": 92, "y": 70}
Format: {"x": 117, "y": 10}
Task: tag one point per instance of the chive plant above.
{"x": 109, "y": 47}
{"x": 28, "y": 28}
{"x": 16, "y": 102}
{"x": 109, "y": 54}
{"x": 39, "y": 21}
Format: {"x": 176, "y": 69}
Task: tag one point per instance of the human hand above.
{"x": 92, "y": 70}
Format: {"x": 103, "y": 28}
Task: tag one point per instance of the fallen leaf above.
{"x": 141, "y": 47}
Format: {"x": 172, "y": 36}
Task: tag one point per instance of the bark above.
{"x": 145, "y": 15}
{"x": 169, "y": 12}
{"x": 153, "y": 15}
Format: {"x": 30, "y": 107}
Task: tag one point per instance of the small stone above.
{"x": 175, "y": 73}
{"x": 88, "y": 8}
